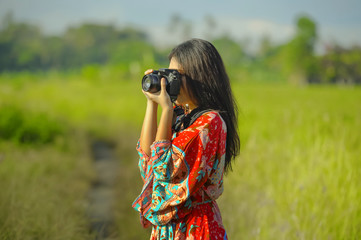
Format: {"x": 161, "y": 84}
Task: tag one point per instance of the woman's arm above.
{"x": 164, "y": 131}
{"x": 165, "y": 125}
{"x": 149, "y": 128}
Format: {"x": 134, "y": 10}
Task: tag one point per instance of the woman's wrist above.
{"x": 151, "y": 103}
{"x": 168, "y": 108}
{"x": 152, "y": 107}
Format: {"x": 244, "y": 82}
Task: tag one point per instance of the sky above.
{"x": 246, "y": 20}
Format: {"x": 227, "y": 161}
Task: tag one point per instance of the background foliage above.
{"x": 24, "y": 47}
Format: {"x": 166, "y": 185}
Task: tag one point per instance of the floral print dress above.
{"x": 182, "y": 180}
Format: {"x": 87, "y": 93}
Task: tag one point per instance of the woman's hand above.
{"x": 162, "y": 98}
{"x": 149, "y": 100}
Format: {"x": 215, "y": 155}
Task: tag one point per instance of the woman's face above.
{"x": 183, "y": 96}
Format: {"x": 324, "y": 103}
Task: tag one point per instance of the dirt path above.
{"x": 102, "y": 193}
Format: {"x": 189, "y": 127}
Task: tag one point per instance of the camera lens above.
{"x": 146, "y": 84}
{"x": 151, "y": 83}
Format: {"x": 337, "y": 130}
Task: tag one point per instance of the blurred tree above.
{"x": 53, "y": 53}
{"x": 233, "y": 56}
{"x": 95, "y": 43}
{"x": 296, "y": 58}
{"x": 89, "y": 43}
{"x": 23, "y": 46}
{"x": 20, "y": 45}
{"x": 231, "y": 51}
{"x": 340, "y": 65}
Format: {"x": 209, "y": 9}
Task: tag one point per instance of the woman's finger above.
{"x": 149, "y": 95}
{"x": 163, "y": 85}
{"x": 148, "y": 71}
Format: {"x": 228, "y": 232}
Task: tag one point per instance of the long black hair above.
{"x": 208, "y": 84}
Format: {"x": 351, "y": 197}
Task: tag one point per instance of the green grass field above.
{"x": 298, "y": 175}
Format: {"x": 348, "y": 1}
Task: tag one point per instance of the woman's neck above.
{"x": 188, "y": 107}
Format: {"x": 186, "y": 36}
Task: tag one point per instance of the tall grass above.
{"x": 45, "y": 182}
{"x": 298, "y": 175}
{"x": 42, "y": 193}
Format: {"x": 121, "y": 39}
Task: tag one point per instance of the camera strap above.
{"x": 185, "y": 120}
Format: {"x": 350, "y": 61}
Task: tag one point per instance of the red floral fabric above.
{"x": 182, "y": 180}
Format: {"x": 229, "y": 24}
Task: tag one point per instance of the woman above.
{"x": 183, "y": 169}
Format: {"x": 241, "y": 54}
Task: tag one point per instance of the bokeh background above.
{"x": 71, "y": 111}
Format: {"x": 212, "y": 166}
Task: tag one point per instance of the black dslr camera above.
{"x": 151, "y": 82}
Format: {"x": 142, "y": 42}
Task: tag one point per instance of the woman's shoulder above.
{"x": 208, "y": 124}
{"x": 210, "y": 119}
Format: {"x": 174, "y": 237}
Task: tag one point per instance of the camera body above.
{"x": 151, "y": 82}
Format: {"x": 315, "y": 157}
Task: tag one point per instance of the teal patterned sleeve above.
{"x": 143, "y": 165}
